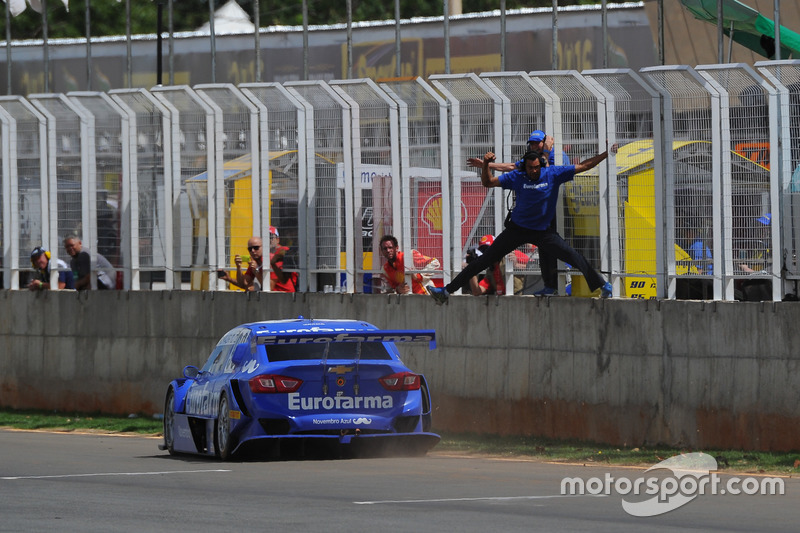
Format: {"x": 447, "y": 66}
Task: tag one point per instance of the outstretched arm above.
{"x": 487, "y": 178}
{"x": 224, "y": 276}
{"x": 592, "y": 162}
{"x": 502, "y": 167}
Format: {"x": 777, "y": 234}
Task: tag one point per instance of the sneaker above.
{"x": 547, "y": 291}
{"x": 606, "y": 291}
{"x": 439, "y": 294}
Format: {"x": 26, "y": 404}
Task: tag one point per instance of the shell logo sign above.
{"x": 429, "y": 214}
{"x": 432, "y": 214}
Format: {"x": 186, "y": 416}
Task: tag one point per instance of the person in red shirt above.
{"x": 252, "y": 278}
{"x": 280, "y": 281}
{"x": 492, "y": 281}
{"x": 394, "y": 270}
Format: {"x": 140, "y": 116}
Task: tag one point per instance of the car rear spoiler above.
{"x": 384, "y": 335}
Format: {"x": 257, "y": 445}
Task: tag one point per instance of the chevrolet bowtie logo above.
{"x": 341, "y": 369}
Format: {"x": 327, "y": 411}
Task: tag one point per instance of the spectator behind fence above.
{"x": 81, "y": 264}
{"x": 249, "y": 280}
{"x": 41, "y": 263}
{"x": 492, "y": 281}
{"x": 394, "y": 270}
{"x": 700, "y": 252}
{"x": 279, "y": 280}
{"x": 252, "y": 278}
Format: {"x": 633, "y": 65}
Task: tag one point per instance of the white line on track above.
{"x": 115, "y": 474}
{"x": 486, "y": 498}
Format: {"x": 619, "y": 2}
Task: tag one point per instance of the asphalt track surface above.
{"x": 84, "y": 482}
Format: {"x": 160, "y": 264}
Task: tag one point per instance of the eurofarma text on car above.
{"x": 281, "y": 385}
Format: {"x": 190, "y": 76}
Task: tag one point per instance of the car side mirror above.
{"x": 190, "y": 371}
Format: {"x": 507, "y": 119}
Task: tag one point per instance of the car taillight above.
{"x": 400, "y": 381}
{"x": 267, "y": 383}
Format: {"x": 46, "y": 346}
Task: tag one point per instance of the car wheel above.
{"x": 222, "y": 435}
{"x": 169, "y": 422}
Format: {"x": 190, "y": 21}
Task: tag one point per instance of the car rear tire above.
{"x": 169, "y": 422}
{"x": 222, "y": 434}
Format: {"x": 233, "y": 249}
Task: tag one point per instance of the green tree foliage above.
{"x": 108, "y": 16}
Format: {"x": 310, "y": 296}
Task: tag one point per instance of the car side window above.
{"x": 214, "y": 358}
{"x": 220, "y": 360}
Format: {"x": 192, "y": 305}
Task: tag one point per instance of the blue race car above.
{"x": 285, "y": 384}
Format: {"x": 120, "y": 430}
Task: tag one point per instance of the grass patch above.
{"x": 57, "y": 421}
{"x": 469, "y": 444}
{"x": 592, "y": 453}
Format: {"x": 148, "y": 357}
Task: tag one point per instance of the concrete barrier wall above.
{"x": 626, "y": 372}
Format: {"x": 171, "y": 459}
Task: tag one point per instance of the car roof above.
{"x": 309, "y": 325}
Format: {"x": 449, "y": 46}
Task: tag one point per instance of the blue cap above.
{"x": 536, "y": 137}
{"x": 765, "y": 219}
{"x": 37, "y": 252}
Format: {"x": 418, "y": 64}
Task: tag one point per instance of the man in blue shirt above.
{"x": 538, "y": 141}
{"x": 536, "y": 189}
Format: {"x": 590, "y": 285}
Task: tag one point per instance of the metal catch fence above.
{"x": 700, "y": 201}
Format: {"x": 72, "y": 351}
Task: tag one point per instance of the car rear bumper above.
{"x": 373, "y": 444}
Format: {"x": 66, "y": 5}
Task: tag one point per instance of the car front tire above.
{"x": 169, "y": 422}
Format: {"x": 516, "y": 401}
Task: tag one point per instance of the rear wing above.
{"x": 387, "y": 335}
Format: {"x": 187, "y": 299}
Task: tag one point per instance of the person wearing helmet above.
{"x": 41, "y": 263}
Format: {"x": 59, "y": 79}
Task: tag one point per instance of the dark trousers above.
{"x": 548, "y": 241}
{"x": 548, "y": 264}
{"x": 549, "y": 267}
